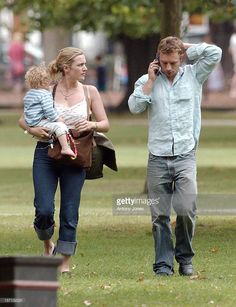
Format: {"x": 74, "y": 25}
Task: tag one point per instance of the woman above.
{"x": 16, "y": 53}
{"x": 70, "y": 102}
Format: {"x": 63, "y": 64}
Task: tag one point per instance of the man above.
{"x": 101, "y": 74}
{"x": 172, "y": 95}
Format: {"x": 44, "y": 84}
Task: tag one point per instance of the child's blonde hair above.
{"x": 37, "y": 77}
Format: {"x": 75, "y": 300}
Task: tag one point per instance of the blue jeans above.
{"x": 47, "y": 173}
{"x": 172, "y": 182}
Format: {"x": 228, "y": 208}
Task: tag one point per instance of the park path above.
{"x": 215, "y": 101}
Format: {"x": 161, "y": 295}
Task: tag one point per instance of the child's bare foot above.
{"x": 68, "y": 152}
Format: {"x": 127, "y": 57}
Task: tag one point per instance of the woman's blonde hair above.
{"x": 65, "y": 56}
{"x": 37, "y": 77}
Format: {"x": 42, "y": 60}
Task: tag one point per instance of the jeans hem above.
{"x": 164, "y": 270}
{"x": 44, "y": 234}
{"x": 66, "y": 248}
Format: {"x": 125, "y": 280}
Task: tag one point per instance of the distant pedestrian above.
{"x": 232, "y": 51}
{"x": 101, "y": 74}
{"x": 216, "y": 79}
{"x": 16, "y": 54}
{"x": 232, "y": 48}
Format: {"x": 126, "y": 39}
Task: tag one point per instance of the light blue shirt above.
{"x": 174, "y": 109}
{"x": 38, "y": 105}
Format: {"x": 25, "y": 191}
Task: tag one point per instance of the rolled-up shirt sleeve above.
{"x": 138, "y": 101}
{"x": 206, "y": 57}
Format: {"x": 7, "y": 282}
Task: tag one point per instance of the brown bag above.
{"x": 102, "y": 154}
{"x": 83, "y": 145}
{"x": 80, "y": 144}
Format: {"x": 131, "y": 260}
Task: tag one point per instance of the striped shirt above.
{"x": 38, "y": 105}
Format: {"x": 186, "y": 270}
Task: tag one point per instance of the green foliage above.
{"x": 218, "y": 10}
{"x": 133, "y": 18}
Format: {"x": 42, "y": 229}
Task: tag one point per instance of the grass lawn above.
{"x": 113, "y": 263}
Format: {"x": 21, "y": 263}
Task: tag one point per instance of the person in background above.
{"x": 69, "y": 69}
{"x": 16, "y": 54}
{"x": 101, "y": 74}
{"x": 172, "y": 95}
{"x": 216, "y": 80}
{"x": 232, "y": 51}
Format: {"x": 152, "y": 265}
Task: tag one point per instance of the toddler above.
{"x": 39, "y": 107}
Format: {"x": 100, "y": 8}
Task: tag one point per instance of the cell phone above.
{"x": 157, "y": 59}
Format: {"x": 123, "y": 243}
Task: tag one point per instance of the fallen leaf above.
{"x": 162, "y": 284}
{"x": 105, "y": 287}
{"x": 215, "y": 249}
{"x": 87, "y": 303}
{"x": 197, "y": 276}
{"x": 141, "y": 278}
{"x": 66, "y": 291}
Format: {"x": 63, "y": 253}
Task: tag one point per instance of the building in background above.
{"x": 194, "y": 27}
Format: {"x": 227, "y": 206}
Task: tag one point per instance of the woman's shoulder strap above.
{"x": 87, "y": 98}
{"x": 87, "y": 94}
{"x": 54, "y": 88}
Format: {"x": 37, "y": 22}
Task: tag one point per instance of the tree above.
{"x": 136, "y": 23}
{"x": 171, "y": 11}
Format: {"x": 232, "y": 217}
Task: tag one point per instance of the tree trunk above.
{"x": 139, "y": 53}
{"x": 53, "y": 40}
{"x": 171, "y": 16}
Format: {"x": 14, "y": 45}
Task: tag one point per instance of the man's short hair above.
{"x": 170, "y": 44}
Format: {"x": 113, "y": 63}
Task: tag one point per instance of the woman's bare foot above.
{"x": 68, "y": 152}
{"x": 65, "y": 266}
{"x": 48, "y": 247}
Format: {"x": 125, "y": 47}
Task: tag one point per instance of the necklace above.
{"x": 68, "y": 95}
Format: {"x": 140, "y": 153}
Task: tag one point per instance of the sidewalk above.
{"x": 219, "y": 101}
{"x": 214, "y": 101}
{"x": 14, "y": 100}
{"x": 10, "y": 100}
